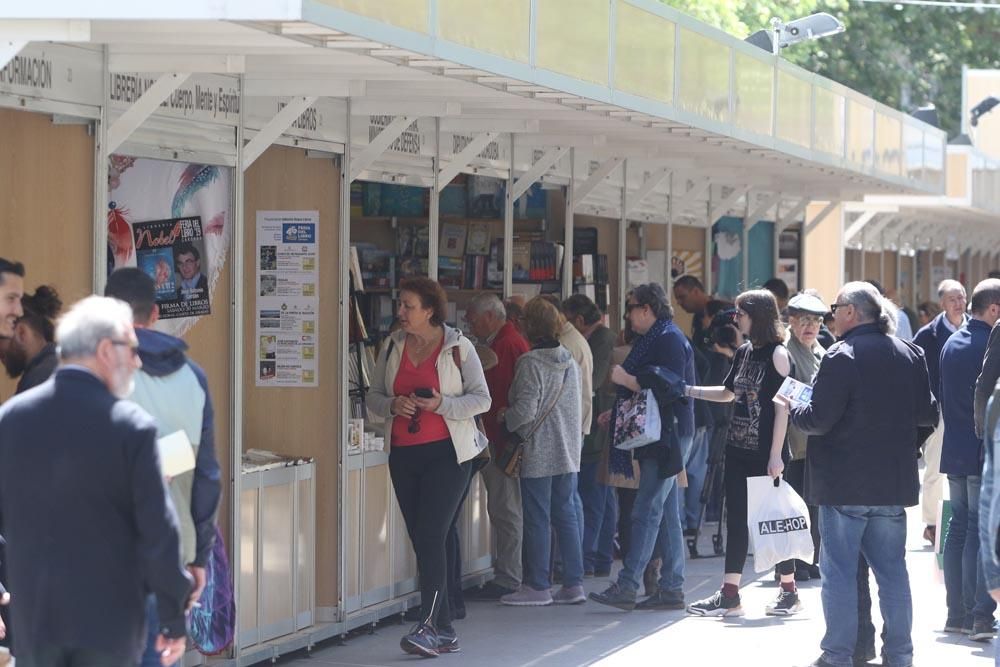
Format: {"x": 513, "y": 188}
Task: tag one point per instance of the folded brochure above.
{"x": 798, "y": 393}
{"x": 176, "y": 454}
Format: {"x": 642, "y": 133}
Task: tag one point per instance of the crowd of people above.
{"x": 551, "y": 407}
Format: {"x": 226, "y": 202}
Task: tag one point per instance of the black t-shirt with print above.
{"x": 754, "y": 380}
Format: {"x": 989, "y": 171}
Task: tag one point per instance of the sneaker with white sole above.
{"x": 570, "y": 595}
{"x": 787, "y": 604}
{"x": 717, "y": 605}
{"x": 526, "y": 596}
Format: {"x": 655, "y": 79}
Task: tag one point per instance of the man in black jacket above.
{"x": 871, "y": 406}
{"x": 89, "y": 525}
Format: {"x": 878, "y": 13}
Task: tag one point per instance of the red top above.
{"x": 508, "y": 345}
{"x": 410, "y": 378}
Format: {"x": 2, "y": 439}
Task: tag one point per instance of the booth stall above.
{"x": 272, "y": 137}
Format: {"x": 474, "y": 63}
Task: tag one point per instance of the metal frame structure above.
{"x": 417, "y": 91}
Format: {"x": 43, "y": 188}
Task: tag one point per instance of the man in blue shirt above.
{"x": 970, "y": 608}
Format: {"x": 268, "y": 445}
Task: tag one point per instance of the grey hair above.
{"x": 487, "y": 303}
{"x": 90, "y": 321}
{"x": 949, "y": 285}
{"x": 871, "y": 306}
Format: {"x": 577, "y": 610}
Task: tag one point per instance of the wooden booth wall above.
{"x": 300, "y": 421}
{"x": 47, "y": 195}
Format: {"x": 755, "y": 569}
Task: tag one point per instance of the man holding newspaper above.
{"x": 871, "y": 408}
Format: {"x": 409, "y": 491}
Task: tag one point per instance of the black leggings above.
{"x": 795, "y": 475}
{"x": 430, "y": 485}
{"x": 738, "y": 469}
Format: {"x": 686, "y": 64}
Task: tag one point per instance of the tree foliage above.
{"x": 902, "y": 57}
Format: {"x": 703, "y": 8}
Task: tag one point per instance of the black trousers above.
{"x": 453, "y": 546}
{"x": 429, "y": 485}
{"x": 795, "y": 475}
{"x": 738, "y": 469}
{"x": 626, "y": 500}
{"x": 54, "y": 656}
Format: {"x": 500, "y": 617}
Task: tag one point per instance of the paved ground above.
{"x": 590, "y": 634}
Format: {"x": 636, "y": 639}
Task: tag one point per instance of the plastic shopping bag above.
{"x": 779, "y": 523}
{"x": 637, "y": 422}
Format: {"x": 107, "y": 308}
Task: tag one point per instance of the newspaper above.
{"x": 799, "y": 394}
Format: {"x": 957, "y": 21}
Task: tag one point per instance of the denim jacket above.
{"x": 989, "y": 500}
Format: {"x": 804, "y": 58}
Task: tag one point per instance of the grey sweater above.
{"x": 539, "y": 376}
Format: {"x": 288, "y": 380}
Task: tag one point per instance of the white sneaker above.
{"x": 570, "y": 595}
{"x": 526, "y": 596}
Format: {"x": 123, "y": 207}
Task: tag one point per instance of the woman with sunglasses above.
{"x": 429, "y": 384}
{"x": 755, "y": 444}
{"x": 805, "y": 319}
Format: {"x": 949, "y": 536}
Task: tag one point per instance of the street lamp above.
{"x": 781, "y": 34}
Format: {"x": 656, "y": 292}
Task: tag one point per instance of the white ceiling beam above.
{"x": 364, "y": 106}
{"x": 195, "y": 63}
{"x": 689, "y": 197}
{"x": 858, "y": 224}
{"x": 568, "y": 140}
{"x": 723, "y": 206}
{"x": 464, "y": 124}
{"x": 44, "y": 30}
{"x": 868, "y": 205}
{"x": 546, "y": 162}
{"x": 464, "y": 157}
{"x": 370, "y": 153}
{"x": 580, "y": 192}
{"x": 790, "y": 217}
{"x": 274, "y": 128}
{"x": 633, "y": 200}
{"x": 873, "y": 229}
{"x": 294, "y": 87}
{"x": 762, "y": 207}
{"x": 143, "y": 108}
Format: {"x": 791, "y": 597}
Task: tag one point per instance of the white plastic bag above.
{"x": 637, "y": 422}
{"x": 778, "y": 520}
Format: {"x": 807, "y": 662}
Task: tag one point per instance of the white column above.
{"x": 434, "y": 209}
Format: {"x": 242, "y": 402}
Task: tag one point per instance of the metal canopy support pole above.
{"x": 881, "y": 259}
{"x": 622, "y": 243}
{"x": 580, "y": 192}
{"x": 709, "y": 288}
{"x": 100, "y": 250}
{"x": 379, "y": 144}
{"x": 434, "y": 209}
{"x": 668, "y": 282}
{"x": 236, "y": 361}
{"x": 569, "y": 225}
{"x": 459, "y": 161}
{"x": 274, "y": 128}
{"x": 745, "y": 242}
{"x": 343, "y": 345}
{"x": 143, "y": 108}
{"x": 775, "y": 250}
{"x": 914, "y": 259}
{"x": 508, "y": 228}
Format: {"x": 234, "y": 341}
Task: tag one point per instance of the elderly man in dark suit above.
{"x": 89, "y": 525}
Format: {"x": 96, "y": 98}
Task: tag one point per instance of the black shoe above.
{"x": 662, "y": 600}
{"x": 717, "y": 605}
{"x": 983, "y": 630}
{"x": 801, "y": 574}
{"x": 615, "y": 596}
{"x": 490, "y": 591}
{"x": 422, "y": 640}
{"x": 820, "y": 662}
{"x": 458, "y": 612}
{"x": 787, "y": 604}
{"x": 602, "y": 573}
{"x": 448, "y": 641}
{"x": 690, "y": 532}
{"x": 865, "y": 655}
{"x": 814, "y": 572}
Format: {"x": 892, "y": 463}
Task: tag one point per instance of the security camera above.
{"x": 806, "y": 28}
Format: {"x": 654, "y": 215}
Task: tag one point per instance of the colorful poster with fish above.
{"x": 170, "y": 252}
{"x": 287, "y": 299}
{"x": 142, "y": 190}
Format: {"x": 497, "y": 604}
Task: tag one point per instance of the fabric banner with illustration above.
{"x": 154, "y": 196}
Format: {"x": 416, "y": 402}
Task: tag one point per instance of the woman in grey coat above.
{"x": 544, "y": 409}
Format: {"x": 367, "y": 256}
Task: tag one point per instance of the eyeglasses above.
{"x": 132, "y": 348}
{"x": 810, "y": 319}
{"x": 630, "y": 306}
{"x": 835, "y": 306}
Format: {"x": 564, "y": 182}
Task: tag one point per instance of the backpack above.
{"x": 213, "y": 623}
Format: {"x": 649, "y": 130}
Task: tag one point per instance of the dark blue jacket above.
{"x": 870, "y": 398}
{"x": 961, "y": 362}
{"x": 163, "y": 355}
{"x": 931, "y": 338}
{"x": 89, "y": 526}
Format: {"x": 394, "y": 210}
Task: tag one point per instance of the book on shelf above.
{"x": 452, "y": 239}
{"x": 546, "y": 260}
{"x": 412, "y": 266}
{"x": 585, "y": 240}
{"x": 478, "y": 242}
{"x": 450, "y": 272}
{"x": 494, "y": 269}
{"x": 376, "y": 266}
{"x": 475, "y": 272}
{"x": 521, "y": 261}
{"x": 412, "y": 240}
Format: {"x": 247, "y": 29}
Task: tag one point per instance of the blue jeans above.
{"x": 964, "y": 580}
{"x": 150, "y": 656}
{"x": 878, "y": 532}
{"x": 647, "y": 515}
{"x": 599, "y": 517}
{"x": 696, "y": 466}
{"x": 549, "y": 504}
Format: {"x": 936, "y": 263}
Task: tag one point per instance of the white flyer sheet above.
{"x": 798, "y": 393}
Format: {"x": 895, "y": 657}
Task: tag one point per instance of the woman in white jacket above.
{"x": 429, "y": 384}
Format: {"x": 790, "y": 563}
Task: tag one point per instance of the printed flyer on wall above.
{"x": 171, "y": 252}
{"x": 287, "y": 299}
